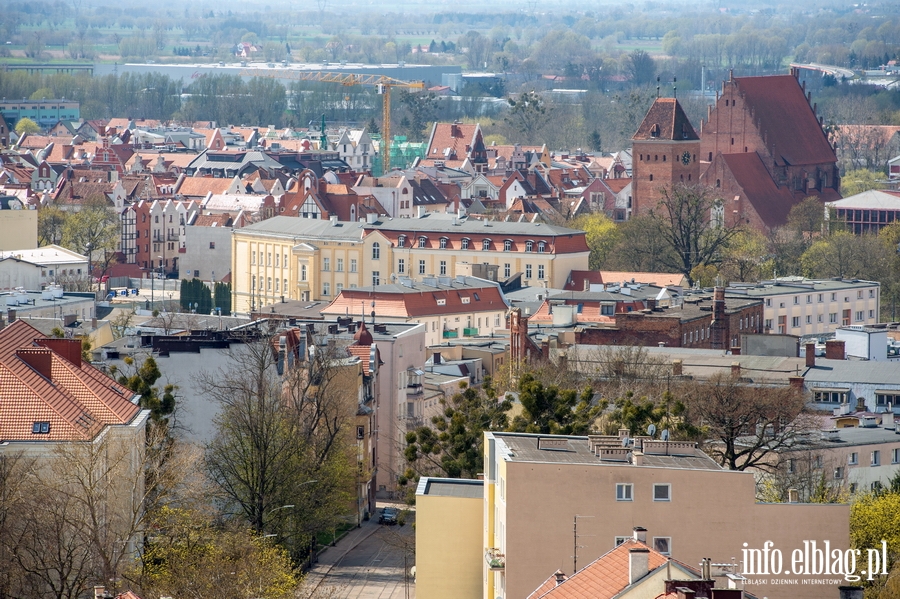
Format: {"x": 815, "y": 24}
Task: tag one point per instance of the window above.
{"x": 443, "y": 243}
{"x": 269, "y": 259}
{"x": 326, "y": 264}
{"x": 808, "y": 319}
{"x": 541, "y": 247}
{"x": 768, "y": 302}
{"x": 820, "y": 298}
{"x": 486, "y": 244}
{"x": 506, "y": 270}
{"x": 252, "y": 256}
{"x": 883, "y": 398}
{"x": 790, "y": 466}
{"x": 853, "y": 487}
{"x": 876, "y": 486}
{"x": 277, "y": 256}
{"x": 796, "y": 300}
{"x": 268, "y": 283}
{"x": 663, "y": 545}
{"x": 768, "y": 323}
{"x": 876, "y": 458}
{"x": 834, "y": 297}
{"x": 352, "y": 264}
{"x": 527, "y": 271}
{"x": 871, "y": 313}
{"x": 422, "y": 241}
{"x": 662, "y": 492}
{"x": 832, "y": 318}
{"x": 340, "y": 265}
{"x": 212, "y": 245}
{"x": 541, "y": 271}
{"x": 529, "y": 246}
{"x": 808, "y": 299}
{"x": 40, "y": 428}
{"x": 376, "y": 251}
{"x": 326, "y": 288}
{"x": 895, "y": 456}
{"x": 839, "y": 472}
{"x": 871, "y": 293}
{"x": 623, "y": 492}
{"x": 401, "y": 266}
{"x": 443, "y": 267}
{"x": 376, "y": 277}
{"x": 338, "y": 288}
{"x": 859, "y": 294}
{"x": 607, "y": 309}
{"x": 401, "y": 241}
{"x": 819, "y": 318}
{"x": 830, "y": 395}
{"x": 620, "y": 540}
{"x": 276, "y": 285}
{"x": 795, "y": 321}
{"x": 859, "y": 315}
{"x": 507, "y": 245}
{"x": 853, "y": 459}
{"x": 464, "y": 244}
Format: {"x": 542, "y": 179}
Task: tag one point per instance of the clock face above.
{"x": 686, "y": 158}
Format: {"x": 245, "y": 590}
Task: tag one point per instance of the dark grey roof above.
{"x": 853, "y": 371}
{"x": 436, "y": 222}
{"x": 305, "y": 228}
{"x": 795, "y": 285}
{"x": 451, "y": 487}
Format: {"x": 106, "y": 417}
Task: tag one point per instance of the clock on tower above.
{"x": 686, "y": 158}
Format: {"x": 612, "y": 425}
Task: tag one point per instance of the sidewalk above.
{"x": 332, "y": 555}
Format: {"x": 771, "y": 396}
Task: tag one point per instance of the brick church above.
{"x": 762, "y": 148}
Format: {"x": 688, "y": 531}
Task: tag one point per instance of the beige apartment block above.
{"x": 449, "y": 559}
{"x": 18, "y": 229}
{"x": 537, "y": 487}
{"x": 800, "y": 306}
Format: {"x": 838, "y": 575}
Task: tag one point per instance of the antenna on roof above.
{"x": 651, "y": 430}
{"x": 674, "y": 87}
{"x": 657, "y": 87}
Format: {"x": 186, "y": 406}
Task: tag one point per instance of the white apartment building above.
{"x": 800, "y": 306}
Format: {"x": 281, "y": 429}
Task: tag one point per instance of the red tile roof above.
{"x": 76, "y": 399}
{"x": 786, "y": 120}
{"x": 771, "y": 202}
{"x": 200, "y": 186}
{"x": 391, "y": 302}
{"x": 666, "y": 120}
{"x": 451, "y": 141}
{"x": 604, "y": 578}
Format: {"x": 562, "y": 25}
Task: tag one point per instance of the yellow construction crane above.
{"x": 382, "y": 83}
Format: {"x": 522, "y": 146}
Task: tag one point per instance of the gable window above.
{"x": 401, "y": 241}
{"x": 662, "y": 492}
{"x": 422, "y": 241}
{"x": 624, "y": 492}
{"x": 486, "y": 244}
{"x": 541, "y": 247}
{"x": 376, "y": 251}
{"x": 443, "y": 243}
{"x": 529, "y": 246}
{"x": 465, "y": 244}
{"x": 507, "y": 245}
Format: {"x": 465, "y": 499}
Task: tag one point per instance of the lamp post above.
{"x": 88, "y": 247}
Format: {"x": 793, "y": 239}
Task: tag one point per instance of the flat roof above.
{"x": 523, "y": 447}
{"x": 451, "y": 487}
{"x": 307, "y": 228}
{"x": 434, "y": 222}
{"x": 788, "y": 285}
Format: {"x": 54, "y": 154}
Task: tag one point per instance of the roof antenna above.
{"x": 674, "y": 87}
{"x": 657, "y": 87}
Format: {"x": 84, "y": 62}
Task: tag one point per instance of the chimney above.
{"x": 99, "y": 592}
{"x": 10, "y": 316}
{"x": 70, "y": 349}
{"x": 676, "y": 367}
{"x": 639, "y": 533}
{"x": 719, "y": 323}
{"x": 334, "y": 220}
{"x": 587, "y": 285}
{"x": 796, "y": 382}
{"x": 834, "y": 350}
{"x": 651, "y": 304}
{"x": 735, "y": 350}
{"x": 736, "y": 369}
{"x": 39, "y": 358}
{"x": 706, "y": 569}
{"x": 560, "y": 577}
{"x": 623, "y": 433}
{"x": 685, "y": 593}
{"x": 810, "y": 355}
{"x": 793, "y": 496}
{"x": 637, "y": 458}
{"x": 850, "y": 592}
{"x": 638, "y": 563}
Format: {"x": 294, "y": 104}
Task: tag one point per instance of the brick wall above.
{"x": 657, "y": 164}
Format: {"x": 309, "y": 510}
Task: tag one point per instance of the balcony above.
{"x": 494, "y": 559}
{"x": 414, "y": 389}
{"x": 470, "y": 332}
{"x": 451, "y": 334}
{"x": 172, "y": 236}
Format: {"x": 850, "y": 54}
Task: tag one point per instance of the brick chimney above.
{"x": 736, "y": 369}
{"x": 676, "y": 367}
{"x": 796, "y": 382}
{"x": 834, "y": 350}
{"x": 810, "y": 355}
{"x": 70, "y": 349}
{"x": 560, "y": 577}
{"x": 719, "y": 325}
{"x": 735, "y": 350}
{"x": 638, "y": 563}
{"x": 685, "y": 593}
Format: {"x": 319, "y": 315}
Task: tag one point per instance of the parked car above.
{"x": 388, "y": 516}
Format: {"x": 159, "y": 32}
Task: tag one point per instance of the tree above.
{"x": 638, "y": 414}
{"x": 551, "y": 410}
{"x": 601, "y": 236}
{"x": 277, "y": 433}
{"x": 94, "y": 228}
{"x": 745, "y": 427}
{"x": 641, "y": 67}
{"x": 642, "y": 246}
{"x": 689, "y": 228}
{"x": 746, "y": 257}
{"x": 190, "y": 556}
{"x": 875, "y": 516}
{"x": 527, "y": 115}
{"x": 26, "y": 126}
{"x": 859, "y": 180}
{"x": 807, "y": 217}
{"x": 141, "y": 379}
{"x": 844, "y": 254}
{"x": 51, "y": 224}
{"x": 453, "y": 445}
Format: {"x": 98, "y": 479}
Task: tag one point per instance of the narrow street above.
{"x": 374, "y": 568}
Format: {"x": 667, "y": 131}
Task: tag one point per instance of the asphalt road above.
{"x": 374, "y": 569}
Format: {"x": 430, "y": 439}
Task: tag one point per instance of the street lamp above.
{"x": 88, "y": 247}
{"x": 153, "y": 282}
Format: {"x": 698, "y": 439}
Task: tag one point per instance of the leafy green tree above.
{"x": 637, "y": 414}
{"x": 222, "y": 298}
{"x": 746, "y": 257}
{"x": 860, "y": 180}
{"x": 844, "y": 254}
{"x": 141, "y": 379}
{"x": 93, "y": 229}
{"x": 527, "y": 116}
{"x": 26, "y": 126}
{"x": 51, "y": 224}
{"x": 453, "y": 444}
{"x": 601, "y": 236}
{"x": 551, "y": 410}
{"x": 807, "y": 217}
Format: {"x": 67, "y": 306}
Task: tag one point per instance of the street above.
{"x": 374, "y": 569}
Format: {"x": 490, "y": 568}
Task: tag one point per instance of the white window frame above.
{"x": 624, "y": 492}
{"x": 667, "y": 486}
{"x": 668, "y": 542}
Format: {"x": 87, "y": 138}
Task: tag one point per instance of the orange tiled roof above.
{"x": 200, "y": 186}
{"x": 666, "y": 120}
{"x": 455, "y": 137}
{"x": 44, "y": 380}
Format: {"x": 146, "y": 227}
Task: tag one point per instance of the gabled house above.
{"x": 454, "y": 144}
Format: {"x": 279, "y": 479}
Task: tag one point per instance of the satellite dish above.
{"x": 651, "y": 430}
{"x": 664, "y": 435}
{"x": 624, "y": 441}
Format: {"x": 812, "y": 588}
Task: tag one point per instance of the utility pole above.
{"x": 576, "y": 546}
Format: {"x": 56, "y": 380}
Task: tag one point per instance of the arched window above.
{"x": 529, "y": 246}
{"x": 376, "y": 251}
{"x": 443, "y": 243}
{"x": 486, "y": 244}
{"x": 422, "y": 241}
{"x": 541, "y": 247}
{"x": 507, "y": 245}
{"x": 401, "y": 241}
{"x": 718, "y": 183}
{"x": 465, "y": 243}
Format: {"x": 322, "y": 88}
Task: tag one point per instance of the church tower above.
{"x": 665, "y": 151}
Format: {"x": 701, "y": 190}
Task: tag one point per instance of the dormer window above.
{"x": 443, "y": 243}
{"x": 486, "y": 244}
{"x": 40, "y": 428}
{"x": 541, "y": 247}
{"x": 465, "y": 244}
{"x": 529, "y": 246}
{"x": 654, "y": 131}
{"x": 507, "y": 245}
{"x": 422, "y": 241}
{"x": 401, "y": 241}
